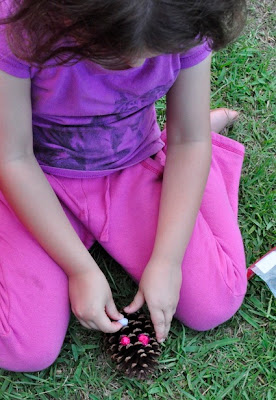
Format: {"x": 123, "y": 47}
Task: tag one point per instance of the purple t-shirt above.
{"x": 88, "y": 121}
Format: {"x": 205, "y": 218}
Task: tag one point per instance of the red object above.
{"x": 144, "y": 339}
{"x": 250, "y": 273}
{"x": 125, "y": 340}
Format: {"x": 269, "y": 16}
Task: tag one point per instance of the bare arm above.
{"x": 187, "y": 163}
{"x": 35, "y": 203}
{"x": 24, "y": 184}
{"x": 185, "y": 175}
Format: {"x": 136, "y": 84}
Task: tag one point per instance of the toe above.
{"x": 221, "y": 118}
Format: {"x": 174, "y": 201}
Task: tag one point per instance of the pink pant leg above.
{"x": 34, "y": 302}
{"x": 216, "y": 243}
{"x": 214, "y": 275}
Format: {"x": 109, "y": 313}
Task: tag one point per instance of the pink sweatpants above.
{"x": 120, "y": 211}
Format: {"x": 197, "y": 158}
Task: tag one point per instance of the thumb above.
{"x": 137, "y": 303}
{"x": 112, "y": 312}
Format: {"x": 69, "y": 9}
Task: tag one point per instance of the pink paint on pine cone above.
{"x": 125, "y": 340}
{"x": 144, "y": 339}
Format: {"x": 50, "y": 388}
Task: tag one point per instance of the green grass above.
{"x": 236, "y": 360}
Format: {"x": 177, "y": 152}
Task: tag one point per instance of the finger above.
{"x": 112, "y": 312}
{"x": 104, "y": 324}
{"x": 168, "y": 321}
{"x": 137, "y": 303}
{"x": 158, "y": 320}
{"x": 88, "y": 325}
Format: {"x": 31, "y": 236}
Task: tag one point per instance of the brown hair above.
{"x": 109, "y": 31}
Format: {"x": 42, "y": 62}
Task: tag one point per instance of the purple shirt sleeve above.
{"x": 194, "y": 56}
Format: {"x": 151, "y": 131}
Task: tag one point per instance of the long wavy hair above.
{"x": 112, "y": 31}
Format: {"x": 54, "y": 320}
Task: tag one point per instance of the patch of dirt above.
{"x": 260, "y": 20}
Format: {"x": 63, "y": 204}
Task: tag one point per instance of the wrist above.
{"x": 166, "y": 259}
{"x": 82, "y": 268}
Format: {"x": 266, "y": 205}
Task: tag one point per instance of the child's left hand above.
{"x": 159, "y": 287}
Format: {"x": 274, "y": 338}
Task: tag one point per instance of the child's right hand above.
{"x": 92, "y": 301}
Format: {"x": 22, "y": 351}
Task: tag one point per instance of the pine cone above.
{"x": 134, "y": 348}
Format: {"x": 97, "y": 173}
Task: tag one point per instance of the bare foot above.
{"x": 222, "y": 118}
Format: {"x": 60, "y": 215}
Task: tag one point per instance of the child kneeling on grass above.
{"x": 82, "y": 159}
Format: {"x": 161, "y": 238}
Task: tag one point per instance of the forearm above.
{"x": 36, "y": 205}
{"x": 185, "y": 176}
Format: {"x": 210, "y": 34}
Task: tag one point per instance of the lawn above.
{"x": 236, "y": 360}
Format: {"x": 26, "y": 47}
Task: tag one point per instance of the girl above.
{"x": 82, "y": 159}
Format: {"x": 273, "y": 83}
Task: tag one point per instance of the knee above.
{"x": 18, "y": 356}
{"x": 211, "y": 302}
{"x": 204, "y": 316}
{"x": 39, "y": 359}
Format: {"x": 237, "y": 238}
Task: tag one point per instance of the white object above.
{"x": 123, "y": 321}
{"x": 267, "y": 263}
{"x": 266, "y": 270}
